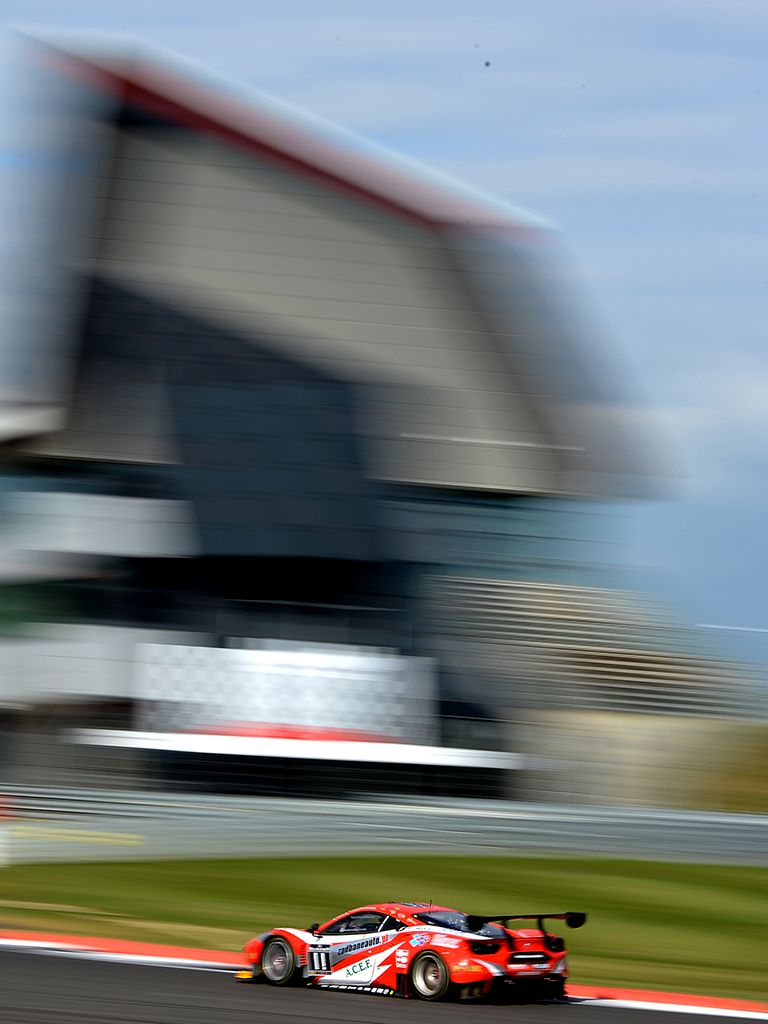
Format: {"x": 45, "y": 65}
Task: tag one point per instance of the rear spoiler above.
{"x": 571, "y": 918}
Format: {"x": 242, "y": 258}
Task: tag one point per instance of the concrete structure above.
{"x": 261, "y": 382}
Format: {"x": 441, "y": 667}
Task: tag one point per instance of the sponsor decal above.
{"x": 419, "y": 939}
{"x": 401, "y": 958}
{"x": 365, "y": 971}
{"x": 358, "y": 968}
{"x": 375, "y": 989}
{"x": 446, "y": 942}
{"x": 487, "y": 965}
{"x": 353, "y": 947}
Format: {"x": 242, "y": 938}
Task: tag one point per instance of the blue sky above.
{"x": 639, "y": 126}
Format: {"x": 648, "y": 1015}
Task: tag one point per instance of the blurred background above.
{"x": 324, "y": 477}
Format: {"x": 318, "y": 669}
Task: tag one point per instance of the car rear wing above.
{"x": 571, "y": 918}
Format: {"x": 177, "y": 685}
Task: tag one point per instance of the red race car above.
{"x": 417, "y": 949}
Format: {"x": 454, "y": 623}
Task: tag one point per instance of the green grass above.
{"x": 683, "y": 927}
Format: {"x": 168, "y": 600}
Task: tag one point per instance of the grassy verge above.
{"x": 684, "y": 927}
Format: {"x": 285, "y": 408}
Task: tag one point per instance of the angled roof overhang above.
{"x": 580, "y": 424}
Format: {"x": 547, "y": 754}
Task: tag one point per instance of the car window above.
{"x": 457, "y": 922}
{"x": 356, "y": 924}
{"x": 391, "y": 923}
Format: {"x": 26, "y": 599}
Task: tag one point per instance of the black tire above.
{"x": 278, "y": 961}
{"x": 557, "y": 991}
{"x": 429, "y": 977}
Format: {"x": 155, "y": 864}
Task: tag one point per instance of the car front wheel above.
{"x": 430, "y": 978}
{"x": 278, "y": 961}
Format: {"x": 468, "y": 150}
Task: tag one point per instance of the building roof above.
{"x": 447, "y": 306}
{"x": 167, "y": 89}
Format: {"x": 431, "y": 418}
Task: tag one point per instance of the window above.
{"x": 356, "y": 924}
{"x": 457, "y": 922}
{"x": 392, "y": 924}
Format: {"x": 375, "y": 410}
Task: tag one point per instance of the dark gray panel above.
{"x": 268, "y": 447}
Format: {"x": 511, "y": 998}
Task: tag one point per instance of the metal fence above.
{"x": 44, "y": 824}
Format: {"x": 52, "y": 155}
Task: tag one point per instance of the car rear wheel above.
{"x": 278, "y": 961}
{"x": 430, "y": 977}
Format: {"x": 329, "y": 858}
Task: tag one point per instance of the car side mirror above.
{"x": 313, "y": 927}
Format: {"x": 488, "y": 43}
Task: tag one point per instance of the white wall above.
{"x": 97, "y": 524}
{"x": 63, "y": 660}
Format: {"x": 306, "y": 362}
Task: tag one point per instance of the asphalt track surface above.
{"x": 45, "y": 988}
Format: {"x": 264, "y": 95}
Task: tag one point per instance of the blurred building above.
{"x": 263, "y": 385}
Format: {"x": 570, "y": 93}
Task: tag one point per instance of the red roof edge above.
{"x": 159, "y": 91}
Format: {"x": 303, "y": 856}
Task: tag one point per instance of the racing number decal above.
{"x": 319, "y": 959}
